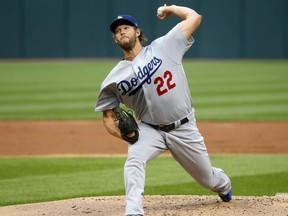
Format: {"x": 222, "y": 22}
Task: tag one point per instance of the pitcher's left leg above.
{"x": 195, "y": 160}
{"x": 191, "y": 152}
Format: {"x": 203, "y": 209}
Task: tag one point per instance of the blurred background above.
{"x": 80, "y": 29}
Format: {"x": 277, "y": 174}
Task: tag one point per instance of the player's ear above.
{"x": 138, "y": 32}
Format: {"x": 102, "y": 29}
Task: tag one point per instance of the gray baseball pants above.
{"x": 186, "y": 145}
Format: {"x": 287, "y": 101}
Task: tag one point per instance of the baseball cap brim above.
{"x": 123, "y": 20}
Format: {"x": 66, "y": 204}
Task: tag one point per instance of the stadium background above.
{"x": 80, "y": 29}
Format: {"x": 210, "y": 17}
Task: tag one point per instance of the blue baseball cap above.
{"x": 121, "y": 20}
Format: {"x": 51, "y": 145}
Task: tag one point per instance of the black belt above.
{"x": 167, "y": 128}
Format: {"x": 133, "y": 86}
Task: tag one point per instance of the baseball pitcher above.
{"x": 151, "y": 81}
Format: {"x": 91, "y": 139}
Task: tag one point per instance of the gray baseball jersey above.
{"x": 154, "y": 84}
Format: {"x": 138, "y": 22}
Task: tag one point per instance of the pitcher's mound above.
{"x": 166, "y": 205}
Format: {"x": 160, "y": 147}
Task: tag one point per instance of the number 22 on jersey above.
{"x": 165, "y": 83}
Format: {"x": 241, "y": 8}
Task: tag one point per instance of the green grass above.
{"x": 239, "y": 90}
{"x": 36, "y": 179}
{"x": 50, "y": 89}
{"x": 222, "y": 90}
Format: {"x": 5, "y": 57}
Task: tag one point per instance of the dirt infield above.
{"x": 156, "y": 206}
{"x": 90, "y": 138}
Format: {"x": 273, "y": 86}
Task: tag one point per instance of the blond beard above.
{"x": 128, "y": 46}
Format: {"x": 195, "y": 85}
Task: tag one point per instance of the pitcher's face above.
{"x": 126, "y": 36}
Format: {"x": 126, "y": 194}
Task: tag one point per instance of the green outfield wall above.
{"x": 80, "y": 28}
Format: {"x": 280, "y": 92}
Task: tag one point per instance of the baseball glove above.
{"x": 127, "y": 125}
